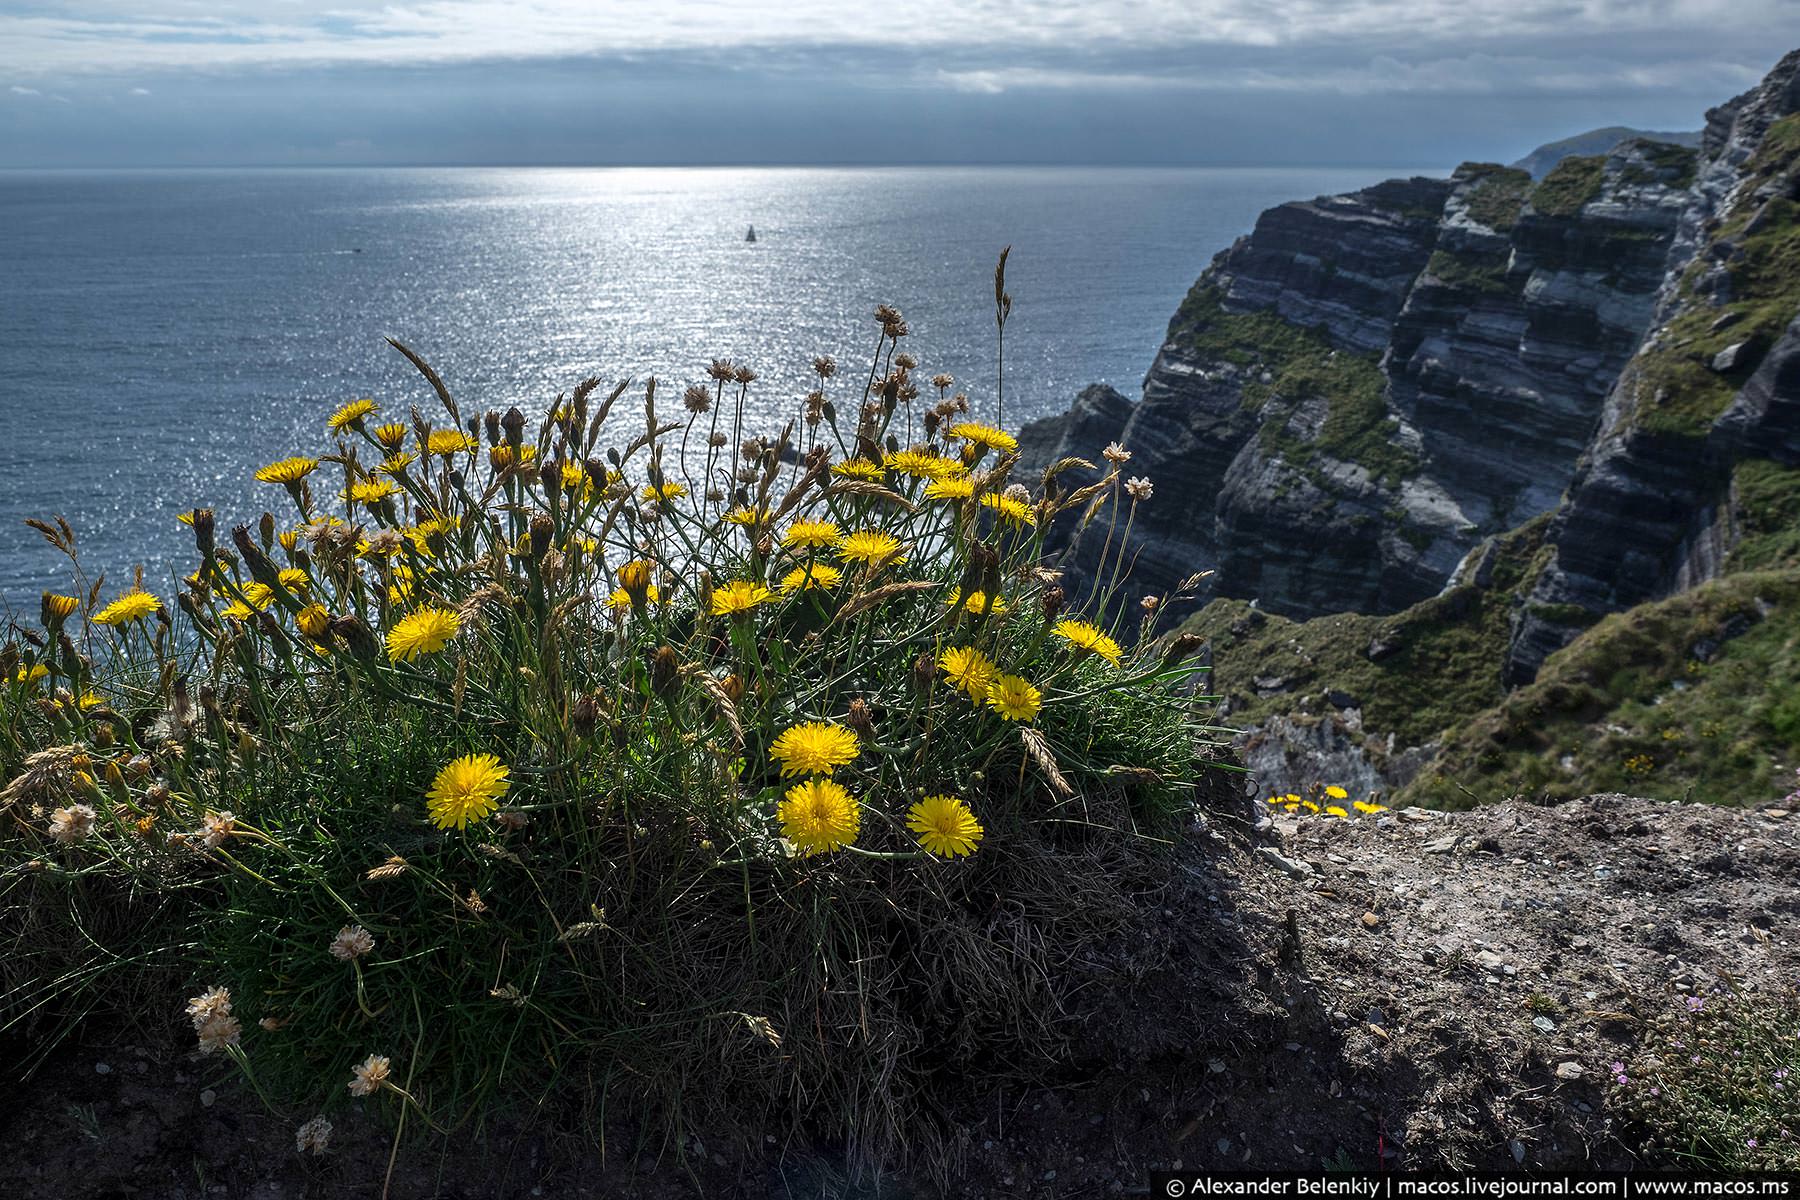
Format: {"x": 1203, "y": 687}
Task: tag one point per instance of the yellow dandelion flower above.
{"x": 950, "y": 489}
{"x": 466, "y": 789}
{"x": 740, "y": 595}
{"x": 819, "y": 815}
{"x": 258, "y": 595}
{"x": 747, "y": 516}
{"x": 1337, "y": 793}
{"x": 132, "y": 606}
{"x": 1084, "y": 636}
{"x": 620, "y": 598}
{"x": 29, "y": 676}
{"x": 813, "y": 748}
{"x": 313, "y": 621}
{"x": 1014, "y": 698}
{"x": 969, "y": 669}
{"x": 984, "y": 435}
{"x": 1291, "y": 798}
{"x": 922, "y": 464}
{"x": 810, "y": 534}
{"x": 448, "y": 442}
{"x": 813, "y": 575}
{"x": 1010, "y": 508}
{"x": 945, "y": 826}
{"x": 372, "y": 491}
{"x": 288, "y": 471}
{"x": 1364, "y": 806}
{"x": 393, "y": 464}
{"x": 1309, "y": 806}
{"x": 869, "y": 546}
{"x": 1333, "y": 810}
{"x": 237, "y": 610}
{"x": 350, "y": 415}
{"x": 391, "y": 435}
{"x": 294, "y": 579}
{"x": 186, "y": 518}
{"x": 58, "y": 607}
{"x": 858, "y": 468}
{"x": 663, "y": 494}
{"x": 977, "y": 603}
{"x": 422, "y": 631}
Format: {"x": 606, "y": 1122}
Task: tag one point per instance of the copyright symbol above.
{"x": 1176, "y": 1188}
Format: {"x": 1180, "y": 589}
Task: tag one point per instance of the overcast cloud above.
{"x": 307, "y": 81}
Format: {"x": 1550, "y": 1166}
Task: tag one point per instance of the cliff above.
{"x": 1500, "y": 477}
{"x": 1358, "y": 392}
{"x": 1597, "y": 141}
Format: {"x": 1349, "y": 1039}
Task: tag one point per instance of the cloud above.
{"x": 975, "y": 46}
{"x": 25, "y": 91}
{"x": 139, "y": 91}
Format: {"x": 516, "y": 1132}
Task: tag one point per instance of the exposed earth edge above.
{"x": 1365, "y": 993}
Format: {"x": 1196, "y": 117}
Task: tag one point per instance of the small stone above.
{"x": 1568, "y": 1070}
{"x": 207, "y": 1098}
{"x": 1731, "y": 357}
{"x": 1281, "y": 862}
{"x": 1443, "y": 845}
{"x": 1224, "y": 1145}
{"x": 1775, "y": 814}
{"x": 102, "y": 1069}
{"x": 1544, "y": 1024}
{"x": 1371, "y": 920}
{"x": 1518, "y": 1150}
{"x": 1726, "y": 322}
{"x": 1049, "y": 1175}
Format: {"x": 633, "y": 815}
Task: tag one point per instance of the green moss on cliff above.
{"x": 1474, "y": 272}
{"x": 1767, "y": 506}
{"x": 1498, "y": 198}
{"x": 1443, "y": 669}
{"x": 1569, "y": 185}
{"x": 1665, "y": 163}
{"x": 1302, "y": 364}
{"x": 1670, "y": 700}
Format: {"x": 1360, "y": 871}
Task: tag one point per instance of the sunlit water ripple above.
{"x": 162, "y": 334}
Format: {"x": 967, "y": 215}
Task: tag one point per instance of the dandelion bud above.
{"x": 585, "y": 715}
{"x": 265, "y": 529}
{"x": 1052, "y": 599}
{"x": 543, "y": 531}
{"x": 9, "y": 660}
{"x": 458, "y": 480}
{"x": 634, "y": 577}
{"x": 115, "y": 782}
{"x": 1181, "y": 647}
{"x": 491, "y": 422}
{"x": 704, "y": 591}
{"x": 665, "y": 671}
{"x": 733, "y": 687}
{"x": 860, "y": 718}
{"x": 53, "y": 609}
{"x": 924, "y": 673}
{"x": 203, "y": 531}
{"x": 356, "y": 636}
{"x": 932, "y": 421}
{"x": 194, "y": 613}
{"x": 514, "y": 425}
{"x": 262, "y": 568}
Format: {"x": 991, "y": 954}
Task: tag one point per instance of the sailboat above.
{"x": 751, "y": 236}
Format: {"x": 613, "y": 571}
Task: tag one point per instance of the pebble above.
{"x": 1371, "y": 920}
{"x": 1518, "y": 1150}
{"x": 1281, "y": 862}
{"x": 207, "y": 1098}
{"x": 102, "y": 1069}
{"x": 1568, "y": 1070}
{"x": 1224, "y": 1145}
{"x": 1545, "y": 1024}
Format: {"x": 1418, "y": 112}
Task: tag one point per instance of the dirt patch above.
{"x": 1449, "y": 990}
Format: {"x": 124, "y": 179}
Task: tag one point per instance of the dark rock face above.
{"x": 1717, "y": 381}
{"x": 1356, "y": 394}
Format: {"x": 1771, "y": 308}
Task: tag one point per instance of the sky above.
{"x": 1226, "y": 82}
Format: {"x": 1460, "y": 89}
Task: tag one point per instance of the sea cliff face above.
{"x": 1652, "y": 509}
{"x": 1363, "y": 388}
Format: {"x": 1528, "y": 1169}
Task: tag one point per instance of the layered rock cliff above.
{"x": 1355, "y": 394}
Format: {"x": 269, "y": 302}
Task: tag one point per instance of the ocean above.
{"x": 163, "y": 334}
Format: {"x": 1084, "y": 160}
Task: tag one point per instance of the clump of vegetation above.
{"x": 1302, "y": 365}
{"x": 1571, "y": 183}
{"x": 1475, "y": 272}
{"x": 1678, "y": 391}
{"x": 1670, "y": 700}
{"x": 756, "y": 781}
{"x": 1498, "y": 197}
{"x": 1438, "y": 662}
{"x": 1714, "y": 1082}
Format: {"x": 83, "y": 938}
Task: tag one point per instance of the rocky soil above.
{"x": 1413, "y": 989}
